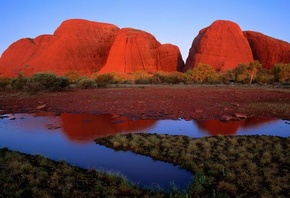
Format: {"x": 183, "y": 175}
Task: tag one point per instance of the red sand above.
{"x": 158, "y": 102}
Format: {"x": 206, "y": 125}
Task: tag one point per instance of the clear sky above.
{"x": 170, "y": 21}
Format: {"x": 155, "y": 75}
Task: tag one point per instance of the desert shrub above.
{"x": 19, "y": 82}
{"x": 157, "y": 78}
{"x": 34, "y": 87}
{"x": 122, "y": 79}
{"x": 86, "y": 83}
{"x": 227, "y": 77}
{"x": 72, "y": 76}
{"x": 281, "y": 72}
{"x": 174, "y": 78}
{"x": 64, "y": 81}
{"x": 103, "y": 80}
{"x": 264, "y": 76}
{"x": 4, "y": 81}
{"x": 202, "y": 73}
{"x": 246, "y": 73}
{"x": 141, "y": 77}
{"x": 48, "y": 81}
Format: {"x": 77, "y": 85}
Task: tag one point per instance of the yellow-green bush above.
{"x": 202, "y": 73}
{"x": 141, "y": 77}
{"x": 174, "y": 78}
{"x": 281, "y": 72}
{"x": 103, "y": 80}
{"x": 246, "y": 73}
{"x": 86, "y": 83}
{"x": 72, "y": 76}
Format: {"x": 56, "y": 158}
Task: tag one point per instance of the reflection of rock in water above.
{"x": 217, "y": 127}
{"x": 86, "y": 127}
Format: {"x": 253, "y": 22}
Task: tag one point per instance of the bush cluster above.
{"x": 4, "y": 81}
{"x": 85, "y": 83}
{"x": 201, "y": 74}
{"x": 48, "y": 81}
{"x": 103, "y": 80}
{"x": 39, "y": 82}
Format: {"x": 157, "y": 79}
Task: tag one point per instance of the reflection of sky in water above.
{"x": 258, "y": 126}
{"x": 276, "y": 128}
{"x": 72, "y": 140}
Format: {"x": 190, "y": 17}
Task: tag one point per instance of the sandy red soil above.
{"x": 157, "y": 102}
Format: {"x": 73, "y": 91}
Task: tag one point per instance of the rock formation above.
{"x": 221, "y": 45}
{"x": 77, "y": 44}
{"x": 135, "y": 50}
{"x": 268, "y": 50}
{"x": 86, "y": 47}
{"x": 217, "y": 127}
{"x": 86, "y": 127}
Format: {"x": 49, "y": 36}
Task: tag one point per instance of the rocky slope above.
{"x": 268, "y": 50}
{"x": 221, "y": 45}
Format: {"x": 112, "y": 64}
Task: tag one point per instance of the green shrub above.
{"x": 281, "y": 72}
{"x": 64, "y": 81}
{"x": 86, "y": 83}
{"x": 49, "y": 81}
{"x": 4, "y": 82}
{"x": 203, "y": 73}
{"x": 103, "y": 80}
{"x": 19, "y": 82}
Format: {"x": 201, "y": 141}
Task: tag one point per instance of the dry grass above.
{"x": 24, "y": 175}
{"x": 225, "y": 166}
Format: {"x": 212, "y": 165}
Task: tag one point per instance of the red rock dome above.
{"x": 221, "y": 45}
{"x": 77, "y": 44}
{"x": 135, "y": 50}
{"x": 268, "y": 50}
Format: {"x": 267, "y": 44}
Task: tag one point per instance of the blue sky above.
{"x": 170, "y": 21}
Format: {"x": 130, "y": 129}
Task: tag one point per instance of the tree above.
{"x": 252, "y": 70}
{"x": 246, "y": 73}
{"x": 202, "y": 73}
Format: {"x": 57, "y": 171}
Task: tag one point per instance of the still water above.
{"x": 70, "y": 137}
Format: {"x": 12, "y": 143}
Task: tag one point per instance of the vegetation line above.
{"x": 201, "y": 74}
